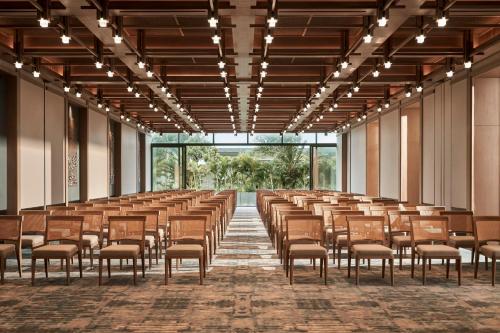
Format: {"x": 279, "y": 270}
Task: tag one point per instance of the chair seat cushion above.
{"x": 490, "y": 250}
{"x": 120, "y": 251}
{"x": 184, "y": 251}
{"x": 32, "y": 240}
{"x": 6, "y": 249}
{"x": 372, "y": 251}
{"x": 55, "y": 251}
{"x": 430, "y": 250}
{"x": 307, "y": 250}
{"x": 91, "y": 241}
{"x": 462, "y": 241}
{"x": 341, "y": 240}
{"x": 402, "y": 240}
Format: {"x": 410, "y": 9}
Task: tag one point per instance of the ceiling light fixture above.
{"x": 376, "y": 73}
{"x": 269, "y": 38}
{"x": 65, "y": 39}
{"x": 420, "y": 38}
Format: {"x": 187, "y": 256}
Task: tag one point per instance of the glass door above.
{"x": 166, "y": 168}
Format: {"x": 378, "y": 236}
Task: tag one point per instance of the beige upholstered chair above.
{"x": 187, "y": 240}
{"x": 399, "y": 231}
{"x": 92, "y": 231}
{"x": 429, "y": 239}
{"x": 211, "y": 230}
{"x": 366, "y": 240}
{"x": 67, "y": 230}
{"x": 283, "y": 214}
{"x": 61, "y": 210}
{"x": 305, "y": 240}
{"x": 130, "y": 229}
{"x": 487, "y": 242}
{"x": 461, "y": 229}
{"x": 152, "y": 237}
{"x": 339, "y": 230}
{"x": 10, "y": 235}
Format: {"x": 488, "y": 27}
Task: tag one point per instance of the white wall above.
{"x": 389, "y": 155}
{"x": 129, "y": 160}
{"x": 358, "y": 159}
{"x": 55, "y": 171}
{"x": 97, "y": 155}
{"x": 31, "y": 145}
{"x": 339, "y": 163}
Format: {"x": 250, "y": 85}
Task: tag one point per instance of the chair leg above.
{"x": 472, "y": 256}
{"x": 383, "y": 268}
{"x": 400, "y": 258}
{"x": 459, "y": 264}
{"x": 109, "y": 268}
{"x": 333, "y": 252}
{"x": 357, "y": 270}
{"x": 149, "y": 257}
{"x": 476, "y": 264}
{"x": 325, "y": 266}
{"x": 391, "y": 263}
{"x": 100, "y": 271}
{"x": 291, "y": 270}
{"x": 447, "y": 268}
{"x": 68, "y": 262}
{"x": 412, "y": 263}
{"x": 166, "y": 270}
{"x": 156, "y": 251}
{"x": 485, "y": 262}
{"x": 369, "y": 264}
{"x": 134, "y": 264}
{"x": 170, "y": 267}
{"x": 423, "y": 269}
{"x": 46, "y": 264}
{"x": 143, "y": 266}
{"x": 202, "y": 270}
{"x": 321, "y": 268}
{"x": 2, "y": 268}
{"x": 19, "y": 257}
{"x": 33, "y": 268}
{"x": 80, "y": 266}
{"x": 91, "y": 258}
{"x": 339, "y": 255}
{"x": 348, "y": 263}
{"x": 430, "y": 260}
{"x": 493, "y": 269}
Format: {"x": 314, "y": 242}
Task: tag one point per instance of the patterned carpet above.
{"x": 246, "y": 291}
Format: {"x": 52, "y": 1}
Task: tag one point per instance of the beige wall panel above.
{"x": 54, "y": 149}
{"x": 129, "y": 172}
{"x": 358, "y": 159}
{"x": 389, "y": 155}
{"x": 372, "y": 158}
{"x": 31, "y": 151}
{"x": 148, "y": 162}
{"x": 438, "y": 145}
{"x": 428, "y": 150}
{"x": 339, "y": 163}
{"x": 97, "y": 155}
{"x": 459, "y": 144}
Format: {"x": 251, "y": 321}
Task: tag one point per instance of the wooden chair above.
{"x": 93, "y": 231}
{"x": 34, "y": 222}
{"x": 339, "y": 231}
{"x": 487, "y": 242}
{"x": 429, "y": 239}
{"x": 399, "y": 231}
{"x": 67, "y": 230}
{"x": 211, "y": 230}
{"x": 130, "y": 229}
{"x": 187, "y": 240}
{"x": 430, "y": 210}
{"x": 10, "y": 235}
{"x": 283, "y": 214}
{"x": 61, "y": 210}
{"x": 304, "y": 240}
{"x": 152, "y": 237}
{"x": 461, "y": 229}
{"x": 366, "y": 240}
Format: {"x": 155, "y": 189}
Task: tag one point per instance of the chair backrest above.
{"x": 130, "y": 228}
{"x": 11, "y": 228}
{"x": 209, "y": 214}
{"x": 64, "y": 228}
{"x": 399, "y": 221}
{"x": 34, "y": 221}
{"x": 294, "y": 211}
{"x": 459, "y": 221}
{"x": 152, "y": 218}
{"x": 61, "y": 210}
{"x": 339, "y": 218}
{"x": 93, "y": 220}
{"x": 365, "y": 229}
{"x": 429, "y": 228}
{"x": 305, "y": 227}
{"x": 187, "y": 228}
{"x": 429, "y": 210}
{"x": 486, "y": 228}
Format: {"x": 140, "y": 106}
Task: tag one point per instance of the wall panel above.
{"x": 339, "y": 163}
{"x": 31, "y": 145}
{"x": 459, "y": 145}
{"x": 129, "y": 172}
{"x": 358, "y": 159}
{"x": 97, "y": 155}
{"x": 389, "y": 155}
{"x": 148, "y": 162}
{"x": 428, "y": 150}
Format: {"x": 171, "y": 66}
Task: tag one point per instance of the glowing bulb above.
{"x": 420, "y": 38}
{"x": 318, "y": 94}
{"x": 163, "y": 89}
{"x": 382, "y": 21}
{"x": 272, "y": 21}
{"x": 441, "y": 21}
{"x": 110, "y": 73}
{"x": 376, "y": 73}
{"x": 367, "y": 38}
{"x": 65, "y": 39}
{"x": 344, "y": 64}
{"x": 78, "y": 94}
{"x": 221, "y": 64}
{"x": 264, "y": 64}
{"x": 263, "y": 74}
{"x": 141, "y": 64}
{"x": 99, "y": 105}
{"x": 169, "y": 94}
{"x": 468, "y": 64}
{"x": 269, "y": 39}
{"x": 349, "y": 94}
{"x": 449, "y": 73}
{"x": 66, "y": 89}
{"x": 212, "y": 21}
{"x": 223, "y": 74}
{"x": 149, "y": 73}
{"x": 216, "y": 39}
{"x": 335, "y": 105}
{"x": 117, "y": 39}
{"x": 103, "y": 22}
{"x": 107, "y": 108}
{"x": 98, "y": 64}
{"x": 387, "y": 64}
{"x": 336, "y": 73}
{"x": 419, "y": 88}
{"x": 260, "y": 89}
{"x": 408, "y": 93}
{"x": 36, "y": 73}
{"x": 386, "y": 105}
{"x": 379, "y": 108}
{"x": 356, "y": 88}
{"x": 259, "y": 95}
{"x": 44, "y": 22}
{"x": 137, "y": 94}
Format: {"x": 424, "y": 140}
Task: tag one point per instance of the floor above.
{"x": 246, "y": 291}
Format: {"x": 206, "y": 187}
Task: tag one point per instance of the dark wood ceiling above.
{"x": 310, "y": 40}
